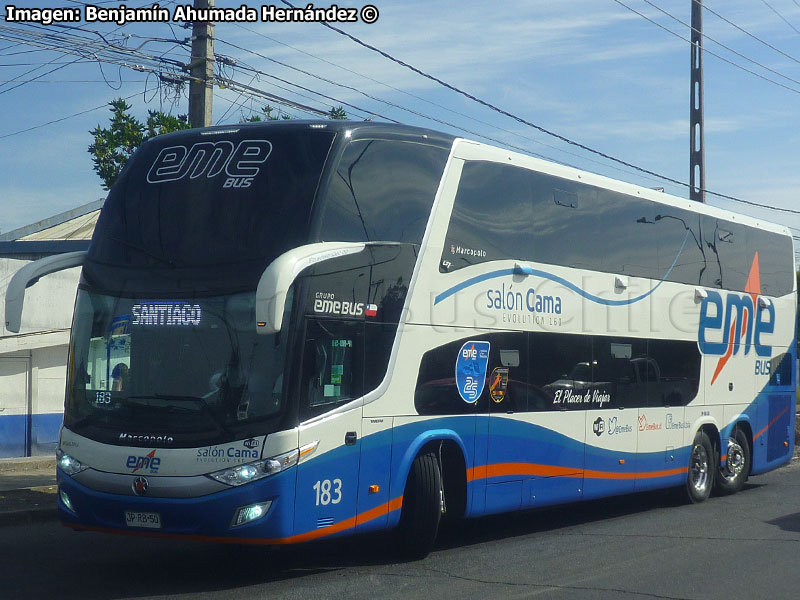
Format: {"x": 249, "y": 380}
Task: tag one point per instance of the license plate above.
{"x": 142, "y": 519}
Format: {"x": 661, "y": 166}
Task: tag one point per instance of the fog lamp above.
{"x": 250, "y": 513}
{"x": 65, "y": 500}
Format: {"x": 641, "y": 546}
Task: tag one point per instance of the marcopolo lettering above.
{"x": 147, "y": 440}
{"x": 240, "y": 163}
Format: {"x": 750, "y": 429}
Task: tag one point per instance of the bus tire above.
{"x": 700, "y": 478}
{"x": 422, "y": 508}
{"x": 730, "y": 477}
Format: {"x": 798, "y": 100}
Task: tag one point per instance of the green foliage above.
{"x": 114, "y": 145}
{"x": 337, "y": 113}
{"x": 267, "y": 116}
{"x": 158, "y": 123}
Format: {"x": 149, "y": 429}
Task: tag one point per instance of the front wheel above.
{"x": 701, "y": 468}
{"x": 422, "y": 507}
{"x": 731, "y": 475}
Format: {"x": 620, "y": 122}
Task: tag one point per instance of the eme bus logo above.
{"x": 150, "y": 462}
{"x": 738, "y": 321}
{"x": 209, "y": 159}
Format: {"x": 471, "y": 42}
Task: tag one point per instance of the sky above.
{"x": 592, "y": 71}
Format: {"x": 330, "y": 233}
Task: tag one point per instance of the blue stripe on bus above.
{"x": 568, "y": 284}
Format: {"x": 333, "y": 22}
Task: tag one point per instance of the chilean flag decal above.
{"x": 371, "y": 310}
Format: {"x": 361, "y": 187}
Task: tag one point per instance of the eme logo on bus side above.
{"x": 209, "y": 159}
{"x": 739, "y": 321}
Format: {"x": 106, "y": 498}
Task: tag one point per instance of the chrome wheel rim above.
{"x": 699, "y": 469}
{"x": 734, "y": 463}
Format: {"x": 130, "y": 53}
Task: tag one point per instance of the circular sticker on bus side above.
{"x": 498, "y": 384}
{"x": 471, "y": 370}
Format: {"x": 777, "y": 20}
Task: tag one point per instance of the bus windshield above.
{"x": 171, "y": 366}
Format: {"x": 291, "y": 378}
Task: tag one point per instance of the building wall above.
{"x": 33, "y": 363}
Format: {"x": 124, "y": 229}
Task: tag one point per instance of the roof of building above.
{"x": 75, "y": 224}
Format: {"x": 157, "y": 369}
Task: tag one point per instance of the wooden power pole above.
{"x": 201, "y": 68}
{"x": 697, "y": 169}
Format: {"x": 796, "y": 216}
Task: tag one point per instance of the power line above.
{"x": 60, "y": 81}
{"x": 77, "y": 114}
{"x": 21, "y": 83}
{"x": 243, "y": 66}
{"x": 539, "y": 127}
{"x": 458, "y": 127}
{"x": 755, "y": 37}
{"x": 784, "y": 19}
{"x": 722, "y": 58}
{"x": 728, "y": 48}
{"x": 502, "y": 143}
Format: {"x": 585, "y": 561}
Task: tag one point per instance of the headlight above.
{"x": 256, "y": 470}
{"x": 69, "y": 465}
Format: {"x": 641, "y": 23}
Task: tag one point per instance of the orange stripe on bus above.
{"x": 536, "y": 470}
{"x": 360, "y": 519}
{"x": 770, "y": 424}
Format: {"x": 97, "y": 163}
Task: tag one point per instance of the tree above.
{"x": 337, "y": 114}
{"x": 114, "y": 145}
{"x": 268, "y": 116}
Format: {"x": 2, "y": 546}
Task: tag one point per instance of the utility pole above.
{"x": 201, "y": 68}
{"x": 697, "y": 169}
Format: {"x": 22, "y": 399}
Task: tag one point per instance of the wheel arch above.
{"x": 428, "y": 440}
{"x": 743, "y": 422}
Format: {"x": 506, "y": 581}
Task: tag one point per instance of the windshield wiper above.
{"x": 205, "y": 409}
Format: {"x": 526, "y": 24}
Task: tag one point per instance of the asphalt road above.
{"x": 646, "y": 546}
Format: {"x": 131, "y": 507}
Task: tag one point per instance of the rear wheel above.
{"x": 731, "y": 475}
{"x": 701, "y": 470}
{"x": 422, "y": 507}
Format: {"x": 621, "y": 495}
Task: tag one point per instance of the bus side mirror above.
{"x": 281, "y": 273}
{"x": 30, "y": 274}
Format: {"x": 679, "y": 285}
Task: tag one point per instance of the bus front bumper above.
{"x": 268, "y": 502}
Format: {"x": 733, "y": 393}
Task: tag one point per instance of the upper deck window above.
{"x": 506, "y": 212}
{"x": 382, "y": 190}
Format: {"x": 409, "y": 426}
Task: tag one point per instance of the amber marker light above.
{"x": 374, "y": 489}
{"x": 308, "y": 449}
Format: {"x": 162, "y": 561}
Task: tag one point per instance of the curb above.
{"x": 28, "y": 505}
{"x": 31, "y": 463}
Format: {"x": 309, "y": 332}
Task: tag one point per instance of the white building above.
{"x": 33, "y": 361}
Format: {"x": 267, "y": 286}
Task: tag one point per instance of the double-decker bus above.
{"x": 291, "y": 331}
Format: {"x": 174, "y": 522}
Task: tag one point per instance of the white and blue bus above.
{"x": 291, "y": 331}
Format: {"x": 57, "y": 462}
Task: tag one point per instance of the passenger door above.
{"x": 612, "y": 417}
{"x": 512, "y": 442}
{"x": 331, "y": 378}
{"x": 663, "y": 455}
{"x": 555, "y": 417}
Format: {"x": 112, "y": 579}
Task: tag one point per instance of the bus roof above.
{"x": 356, "y": 129}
